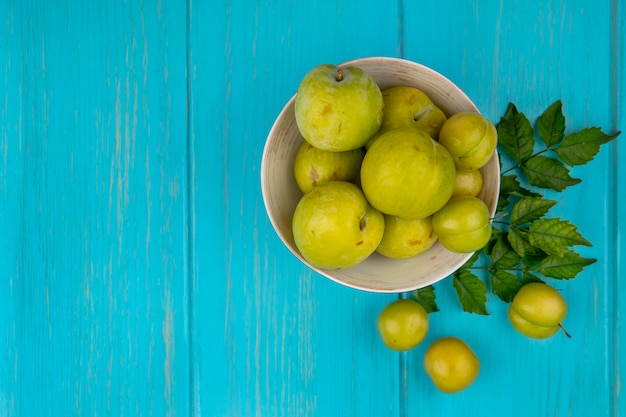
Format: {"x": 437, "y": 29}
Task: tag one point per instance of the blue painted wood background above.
{"x": 139, "y": 274}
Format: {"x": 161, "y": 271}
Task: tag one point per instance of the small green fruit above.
{"x": 338, "y": 109}
{"x": 313, "y": 166}
{"x": 470, "y": 138}
{"x": 406, "y": 238}
{"x": 410, "y": 107}
{"x": 469, "y": 182}
{"x": 451, "y": 364}
{"x": 402, "y": 324}
{"x": 335, "y": 227}
{"x": 463, "y": 224}
{"x": 537, "y": 310}
{"x": 407, "y": 174}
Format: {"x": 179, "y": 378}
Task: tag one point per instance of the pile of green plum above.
{"x": 385, "y": 171}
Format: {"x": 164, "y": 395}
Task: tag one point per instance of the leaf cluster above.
{"x": 527, "y": 244}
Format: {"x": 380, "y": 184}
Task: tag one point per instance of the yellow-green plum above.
{"x": 407, "y": 174}
{"x": 407, "y": 106}
{"x": 406, "y": 238}
{"x": 537, "y": 310}
{"x": 402, "y": 324}
{"x": 313, "y": 166}
{"x": 338, "y": 109}
{"x": 470, "y": 138}
{"x": 463, "y": 225}
{"x": 451, "y": 364}
{"x": 468, "y": 182}
{"x": 335, "y": 227}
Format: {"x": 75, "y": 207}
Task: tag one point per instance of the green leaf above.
{"x": 551, "y": 125}
{"x": 427, "y": 298}
{"x": 582, "y": 146}
{"x": 503, "y": 256}
{"x": 528, "y": 277}
{"x": 503, "y": 202}
{"x": 495, "y": 235}
{"x": 510, "y": 186}
{"x": 528, "y": 210}
{"x": 565, "y": 266}
{"x": 471, "y": 291}
{"x": 554, "y": 236}
{"x": 531, "y": 261}
{"x": 518, "y": 239}
{"x": 505, "y": 285}
{"x": 472, "y": 260}
{"x": 548, "y": 173}
{"x": 515, "y": 134}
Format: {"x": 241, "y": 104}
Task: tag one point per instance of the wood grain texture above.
{"x": 618, "y": 220}
{"x": 94, "y": 201}
{"x": 139, "y": 274}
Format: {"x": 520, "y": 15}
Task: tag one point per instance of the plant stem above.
{"x": 520, "y": 164}
{"x": 569, "y": 336}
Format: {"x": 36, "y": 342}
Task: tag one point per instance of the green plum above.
{"x": 463, "y": 225}
{"x": 406, "y": 238}
{"x": 470, "y": 138}
{"x": 338, "y": 109}
{"x": 313, "y": 166}
{"x": 407, "y": 174}
{"x": 537, "y": 310}
{"x": 468, "y": 182}
{"x": 451, "y": 364}
{"x": 402, "y": 324}
{"x": 335, "y": 227}
{"x": 407, "y": 106}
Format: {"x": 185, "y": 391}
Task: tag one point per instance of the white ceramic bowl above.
{"x": 281, "y": 194}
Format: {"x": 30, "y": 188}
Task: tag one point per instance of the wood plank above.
{"x": 617, "y": 225}
{"x": 93, "y": 191}
{"x": 270, "y": 337}
{"x": 533, "y": 54}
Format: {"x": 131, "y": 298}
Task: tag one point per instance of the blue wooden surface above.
{"x": 139, "y": 274}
